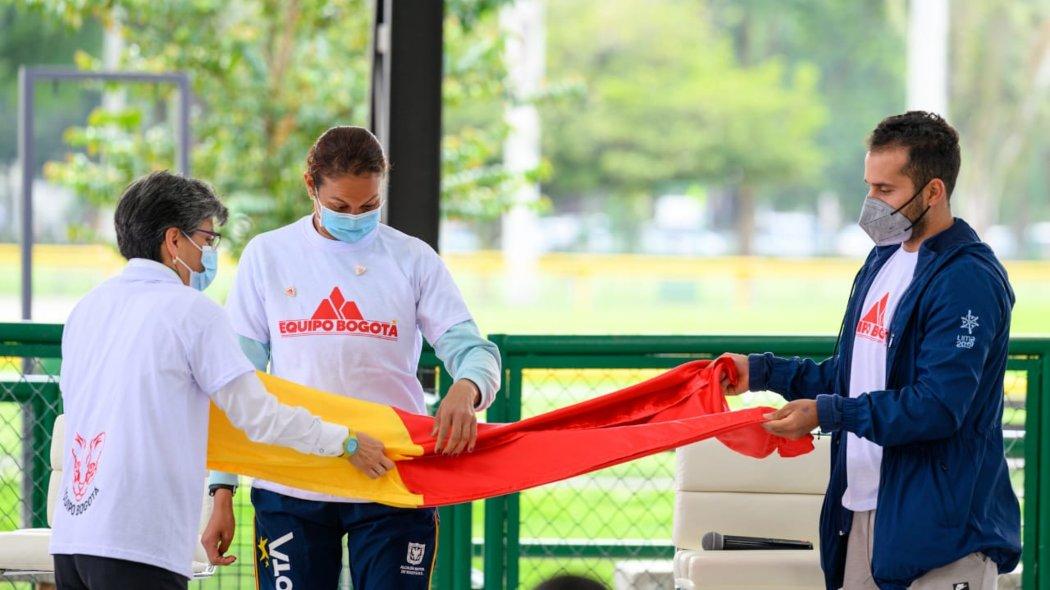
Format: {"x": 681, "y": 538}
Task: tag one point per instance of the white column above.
{"x": 112, "y": 48}
{"x": 928, "y": 56}
{"x": 522, "y": 23}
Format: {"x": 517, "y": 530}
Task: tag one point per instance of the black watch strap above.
{"x": 220, "y": 486}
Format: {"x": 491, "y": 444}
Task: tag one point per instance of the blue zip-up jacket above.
{"x": 945, "y": 488}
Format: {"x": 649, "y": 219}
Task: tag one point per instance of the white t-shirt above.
{"x": 141, "y": 354}
{"x": 345, "y": 318}
{"x": 868, "y": 373}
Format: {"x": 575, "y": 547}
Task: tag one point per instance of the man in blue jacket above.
{"x": 920, "y": 494}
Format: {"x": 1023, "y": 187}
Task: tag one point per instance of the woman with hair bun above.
{"x": 341, "y": 302}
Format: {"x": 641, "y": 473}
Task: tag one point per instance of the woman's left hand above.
{"x": 455, "y": 425}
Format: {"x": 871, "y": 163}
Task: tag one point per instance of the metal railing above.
{"x": 585, "y": 525}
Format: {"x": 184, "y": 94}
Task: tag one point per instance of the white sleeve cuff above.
{"x": 332, "y": 438}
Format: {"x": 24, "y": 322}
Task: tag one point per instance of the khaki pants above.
{"x": 973, "y": 572}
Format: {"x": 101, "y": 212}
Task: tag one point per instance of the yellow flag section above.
{"x": 231, "y": 451}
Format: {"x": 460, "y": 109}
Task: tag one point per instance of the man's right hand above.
{"x": 742, "y": 383}
{"x": 369, "y": 457}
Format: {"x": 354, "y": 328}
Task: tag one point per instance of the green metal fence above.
{"x": 585, "y": 525}
{"x": 542, "y": 372}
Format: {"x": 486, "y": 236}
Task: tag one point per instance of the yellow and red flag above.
{"x": 681, "y": 406}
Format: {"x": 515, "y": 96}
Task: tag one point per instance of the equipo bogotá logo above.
{"x": 873, "y": 325}
{"x": 338, "y": 316}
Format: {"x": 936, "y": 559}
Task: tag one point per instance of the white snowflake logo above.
{"x": 969, "y": 321}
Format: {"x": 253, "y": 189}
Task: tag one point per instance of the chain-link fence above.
{"x": 588, "y": 525}
{"x": 612, "y": 514}
{"x": 621, "y": 517}
{"x": 30, "y": 401}
{"x": 1016, "y": 386}
{"x": 29, "y": 405}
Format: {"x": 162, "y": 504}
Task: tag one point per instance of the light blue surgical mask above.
{"x": 347, "y": 227}
{"x": 210, "y": 261}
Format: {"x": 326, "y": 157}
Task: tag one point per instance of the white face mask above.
{"x": 885, "y": 225}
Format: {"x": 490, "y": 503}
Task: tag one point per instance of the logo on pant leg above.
{"x": 962, "y": 586}
{"x": 416, "y": 551}
{"x": 271, "y": 555}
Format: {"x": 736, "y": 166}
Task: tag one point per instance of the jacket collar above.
{"x": 151, "y": 271}
{"x": 959, "y": 234}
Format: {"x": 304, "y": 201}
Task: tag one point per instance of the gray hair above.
{"x": 159, "y": 201}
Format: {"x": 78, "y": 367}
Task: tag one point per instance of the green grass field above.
{"x": 580, "y": 294}
{"x": 568, "y": 295}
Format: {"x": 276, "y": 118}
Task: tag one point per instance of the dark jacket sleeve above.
{"x": 966, "y": 316}
{"x": 793, "y": 378}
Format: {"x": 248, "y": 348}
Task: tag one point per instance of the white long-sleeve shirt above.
{"x": 253, "y": 409}
{"x": 143, "y": 355}
{"x": 350, "y": 318}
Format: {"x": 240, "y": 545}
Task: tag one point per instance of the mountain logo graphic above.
{"x": 873, "y": 325}
{"x": 338, "y": 316}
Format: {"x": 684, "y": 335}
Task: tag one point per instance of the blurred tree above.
{"x": 858, "y": 48}
{"x": 269, "y": 77}
{"x": 1000, "y": 85}
{"x": 32, "y": 40}
{"x": 1000, "y": 81}
{"x": 668, "y": 101}
{"x": 36, "y": 40}
{"x": 474, "y": 183}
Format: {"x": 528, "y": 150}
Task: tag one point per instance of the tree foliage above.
{"x": 667, "y": 101}
{"x": 269, "y": 76}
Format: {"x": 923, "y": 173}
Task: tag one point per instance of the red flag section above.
{"x": 679, "y": 407}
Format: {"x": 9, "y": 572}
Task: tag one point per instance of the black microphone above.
{"x": 719, "y": 542}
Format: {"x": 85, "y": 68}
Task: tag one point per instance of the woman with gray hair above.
{"x": 143, "y": 355}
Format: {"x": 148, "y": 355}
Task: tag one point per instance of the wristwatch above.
{"x": 350, "y": 444}
{"x": 220, "y": 486}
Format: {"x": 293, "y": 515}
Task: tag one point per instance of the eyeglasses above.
{"x": 214, "y": 238}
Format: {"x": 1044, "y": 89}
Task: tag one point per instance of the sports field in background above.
{"x": 578, "y": 293}
{"x": 563, "y": 294}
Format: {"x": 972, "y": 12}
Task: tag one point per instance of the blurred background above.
{"x": 606, "y": 167}
{"x": 627, "y": 166}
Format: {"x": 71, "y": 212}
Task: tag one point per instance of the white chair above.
{"x": 722, "y": 491}
{"x": 24, "y": 553}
